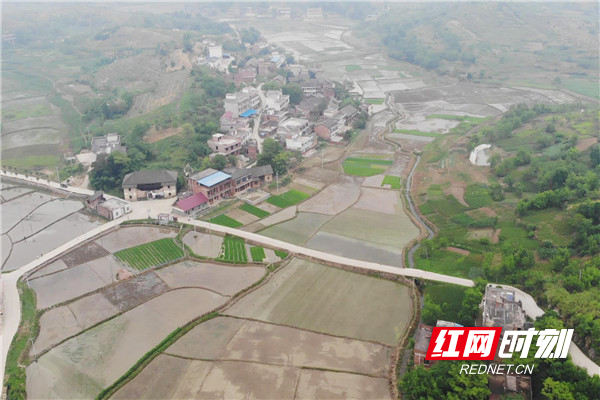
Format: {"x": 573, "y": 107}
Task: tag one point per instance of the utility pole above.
{"x": 57, "y": 176}
{"x": 277, "y": 178}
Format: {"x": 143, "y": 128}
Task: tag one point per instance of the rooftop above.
{"x": 248, "y": 113}
{"x": 150, "y": 176}
{"x": 191, "y": 202}
{"x": 263, "y": 170}
{"x": 422, "y": 338}
{"x": 203, "y": 174}
{"x": 113, "y": 204}
{"x": 214, "y": 179}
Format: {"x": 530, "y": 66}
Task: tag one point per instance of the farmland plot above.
{"x": 83, "y": 365}
{"x": 234, "y": 358}
{"x": 330, "y": 300}
{"x": 150, "y": 254}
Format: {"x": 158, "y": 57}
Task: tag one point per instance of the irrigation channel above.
{"x": 411, "y": 207}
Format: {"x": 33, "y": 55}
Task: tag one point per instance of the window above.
{"x": 130, "y": 189}
{"x": 169, "y": 187}
{"x": 130, "y": 196}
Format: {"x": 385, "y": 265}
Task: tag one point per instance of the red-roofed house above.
{"x": 191, "y": 205}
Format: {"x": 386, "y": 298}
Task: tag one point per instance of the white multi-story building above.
{"x": 215, "y": 51}
{"x": 240, "y": 102}
{"x": 302, "y": 144}
{"x": 276, "y": 100}
{"x": 314, "y": 13}
{"x": 293, "y": 127}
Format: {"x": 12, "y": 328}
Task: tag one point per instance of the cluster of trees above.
{"x": 400, "y": 37}
{"x": 294, "y": 91}
{"x": 443, "y": 380}
{"x": 275, "y": 155}
{"x": 469, "y": 309}
{"x": 250, "y": 35}
{"x": 108, "y": 108}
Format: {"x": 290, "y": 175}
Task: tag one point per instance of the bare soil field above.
{"x": 203, "y": 244}
{"x": 225, "y": 280}
{"x": 83, "y": 254}
{"x": 49, "y": 239}
{"x": 379, "y": 200}
{"x": 43, "y": 216}
{"x": 59, "y": 323}
{"x": 154, "y": 135}
{"x": 83, "y": 365}
{"x": 233, "y": 358}
{"x": 65, "y": 285}
{"x": 298, "y": 230}
{"x": 357, "y": 249}
{"x": 334, "y": 198}
{"x": 265, "y": 343}
{"x": 330, "y": 300}
{"x": 458, "y": 251}
{"x": 14, "y": 211}
{"x": 54, "y": 266}
{"x": 273, "y": 219}
{"x": 135, "y": 291}
{"x": 458, "y": 191}
{"x": 584, "y": 144}
{"x": 372, "y": 226}
{"x": 12, "y": 193}
{"x": 242, "y": 216}
{"x": 373, "y": 181}
{"x": 126, "y": 237}
{"x": 315, "y": 384}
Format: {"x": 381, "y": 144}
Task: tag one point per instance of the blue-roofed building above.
{"x": 248, "y": 113}
{"x": 215, "y": 185}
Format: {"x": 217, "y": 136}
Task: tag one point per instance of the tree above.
{"x": 470, "y": 307}
{"x": 218, "y": 162}
{"x": 294, "y": 91}
{"x": 554, "y": 390}
{"x": 250, "y": 35}
{"x": 443, "y": 380}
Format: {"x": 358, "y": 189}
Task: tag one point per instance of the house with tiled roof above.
{"x": 150, "y": 184}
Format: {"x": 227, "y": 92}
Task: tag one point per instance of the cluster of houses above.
{"x": 295, "y": 127}
{"x": 500, "y": 309}
{"x": 205, "y": 188}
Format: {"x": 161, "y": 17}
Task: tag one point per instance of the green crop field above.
{"x": 234, "y": 250}
{"x": 352, "y": 68}
{"x": 374, "y": 101}
{"x": 258, "y": 253}
{"x": 417, "y": 133}
{"x": 288, "y": 198}
{"x": 394, "y": 181}
{"x": 254, "y": 210}
{"x": 365, "y": 166}
{"x": 583, "y": 86}
{"x": 281, "y": 254}
{"x": 226, "y": 221}
{"x": 150, "y": 254}
{"x": 478, "y": 195}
